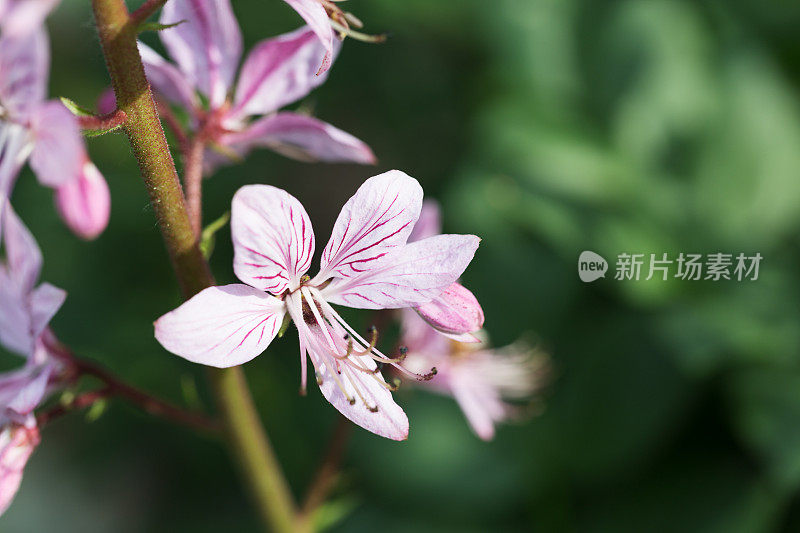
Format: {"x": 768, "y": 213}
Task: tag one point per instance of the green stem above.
{"x": 245, "y": 433}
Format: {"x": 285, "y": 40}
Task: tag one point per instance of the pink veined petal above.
{"x": 84, "y": 202}
{"x": 15, "y": 146}
{"x": 44, "y": 301}
{"x": 411, "y": 275}
{"x": 23, "y": 256}
{"x": 17, "y": 443}
{"x": 273, "y": 241}
{"x": 455, "y": 311}
{"x": 317, "y": 19}
{"x": 277, "y": 72}
{"x": 300, "y": 137}
{"x": 388, "y": 420}
{"x": 376, "y": 220}
{"x": 21, "y": 17}
{"x": 24, "y": 64}
{"x": 429, "y": 222}
{"x": 206, "y": 47}
{"x": 476, "y": 404}
{"x": 221, "y": 326}
{"x": 166, "y": 79}
{"x": 58, "y": 150}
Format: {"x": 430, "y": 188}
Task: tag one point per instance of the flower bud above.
{"x": 17, "y": 442}
{"x": 455, "y": 312}
{"x": 84, "y": 202}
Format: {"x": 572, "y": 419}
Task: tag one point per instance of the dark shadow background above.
{"x": 547, "y": 127}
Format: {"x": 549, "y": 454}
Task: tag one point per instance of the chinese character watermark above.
{"x": 714, "y": 266}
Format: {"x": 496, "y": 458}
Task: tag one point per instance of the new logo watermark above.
{"x": 685, "y": 266}
{"x": 591, "y": 266}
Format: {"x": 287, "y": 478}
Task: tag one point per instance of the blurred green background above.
{"x": 547, "y": 127}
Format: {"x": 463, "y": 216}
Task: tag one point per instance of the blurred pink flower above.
{"x": 25, "y": 311}
{"x": 481, "y": 380}
{"x": 456, "y": 312}
{"x": 20, "y": 17}
{"x": 43, "y": 131}
{"x": 206, "y": 49}
{"x": 367, "y": 264}
{"x": 17, "y": 443}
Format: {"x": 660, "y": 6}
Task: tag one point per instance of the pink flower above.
{"x": 25, "y": 311}
{"x": 44, "y": 132}
{"x": 481, "y": 380}
{"x": 456, "y": 312}
{"x": 367, "y": 264}
{"x": 20, "y": 17}
{"x": 206, "y": 49}
{"x": 17, "y": 443}
{"x": 330, "y": 24}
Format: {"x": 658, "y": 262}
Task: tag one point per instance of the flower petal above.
{"x": 455, "y": 311}
{"x": 376, "y": 220}
{"x": 317, "y": 19}
{"x": 421, "y": 339}
{"x": 206, "y": 47}
{"x": 14, "y": 150}
{"x": 478, "y": 404}
{"x": 107, "y": 101}
{"x": 409, "y": 276}
{"x": 84, "y": 202}
{"x": 169, "y": 82}
{"x": 58, "y": 150}
{"x": 21, "y": 17}
{"x": 23, "y": 390}
{"x": 23, "y": 256}
{"x": 24, "y": 63}
{"x": 348, "y": 389}
{"x": 300, "y": 137}
{"x": 273, "y": 241}
{"x": 44, "y": 302}
{"x": 221, "y": 326}
{"x": 429, "y": 222}
{"x": 17, "y": 443}
{"x": 277, "y": 72}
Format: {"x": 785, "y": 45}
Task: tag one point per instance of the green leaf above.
{"x": 156, "y": 26}
{"x": 207, "y": 238}
{"x": 332, "y": 512}
{"x": 96, "y": 410}
{"x": 74, "y": 108}
{"x": 97, "y": 133}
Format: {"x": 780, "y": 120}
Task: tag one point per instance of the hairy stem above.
{"x": 245, "y": 433}
{"x": 193, "y": 181}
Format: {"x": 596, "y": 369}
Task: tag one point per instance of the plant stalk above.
{"x": 245, "y": 433}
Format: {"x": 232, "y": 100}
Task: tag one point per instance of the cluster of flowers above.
{"x": 385, "y": 251}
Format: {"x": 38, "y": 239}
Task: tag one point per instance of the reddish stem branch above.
{"x": 174, "y": 125}
{"x": 103, "y": 122}
{"x": 144, "y": 401}
{"x": 79, "y": 402}
{"x": 328, "y": 470}
{"x": 146, "y": 10}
